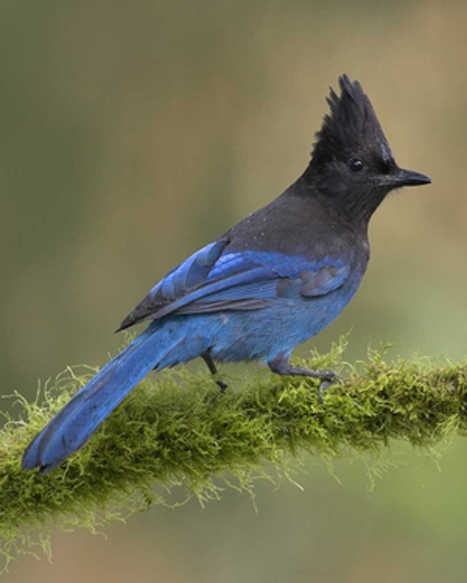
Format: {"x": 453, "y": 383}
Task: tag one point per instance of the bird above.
{"x": 268, "y": 284}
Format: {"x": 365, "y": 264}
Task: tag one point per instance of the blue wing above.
{"x": 215, "y": 279}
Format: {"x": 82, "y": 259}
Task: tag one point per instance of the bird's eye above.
{"x": 356, "y": 165}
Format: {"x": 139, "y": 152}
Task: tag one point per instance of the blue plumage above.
{"x": 271, "y": 282}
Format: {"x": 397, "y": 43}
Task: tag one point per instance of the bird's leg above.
{"x": 206, "y": 356}
{"x": 281, "y": 365}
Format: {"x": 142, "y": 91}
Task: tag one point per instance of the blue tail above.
{"x": 158, "y": 346}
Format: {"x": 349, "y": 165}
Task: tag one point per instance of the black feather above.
{"x": 350, "y": 126}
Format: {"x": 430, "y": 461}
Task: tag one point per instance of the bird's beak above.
{"x": 401, "y": 177}
{"x": 411, "y": 178}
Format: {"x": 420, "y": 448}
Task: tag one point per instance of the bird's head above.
{"x": 351, "y": 159}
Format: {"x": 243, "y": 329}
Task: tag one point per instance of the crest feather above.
{"x": 350, "y": 126}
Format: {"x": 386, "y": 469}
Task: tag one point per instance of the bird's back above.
{"x": 300, "y": 222}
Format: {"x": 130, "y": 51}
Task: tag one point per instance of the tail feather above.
{"x": 76, "y": 422}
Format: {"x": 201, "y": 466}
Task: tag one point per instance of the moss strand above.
{"x": 183, "y": 432}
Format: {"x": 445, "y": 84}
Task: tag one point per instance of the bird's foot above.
{"x": 213, "y": 370}
{"x": 222, "y": 386}
{"x": 281, "y": 365}
{"x": 324, "y": 386}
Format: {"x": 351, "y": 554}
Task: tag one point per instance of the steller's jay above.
{"x": 271, "y": 282}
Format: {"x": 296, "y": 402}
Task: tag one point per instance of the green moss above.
{"x": 176, "y": 429}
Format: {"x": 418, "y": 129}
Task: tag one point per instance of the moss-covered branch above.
{"x": 176, "y": 429}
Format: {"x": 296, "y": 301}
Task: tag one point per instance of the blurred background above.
{"x": 135, "y": 132}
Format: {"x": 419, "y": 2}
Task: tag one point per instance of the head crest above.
{"x": 351, "y": 125}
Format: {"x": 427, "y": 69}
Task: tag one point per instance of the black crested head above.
{"x": 351, "y": 159}
{"x": 350, "y": 127}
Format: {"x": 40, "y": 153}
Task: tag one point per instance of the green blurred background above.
{"x": 133, "y": 133}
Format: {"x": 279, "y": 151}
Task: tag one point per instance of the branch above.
{"x": 183, "y": 432}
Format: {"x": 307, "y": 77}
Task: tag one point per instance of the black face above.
{"x": 362, "y": 182}
{"x": 352, "y": 158}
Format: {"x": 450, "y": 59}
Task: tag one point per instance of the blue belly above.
{"x": 252, "y": 335}
{"x": 263, "y": 334}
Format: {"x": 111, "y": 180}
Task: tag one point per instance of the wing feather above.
{"x": 211, "y": 281}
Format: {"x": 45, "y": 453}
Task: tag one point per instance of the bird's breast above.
{"x": 280, "y": 326}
